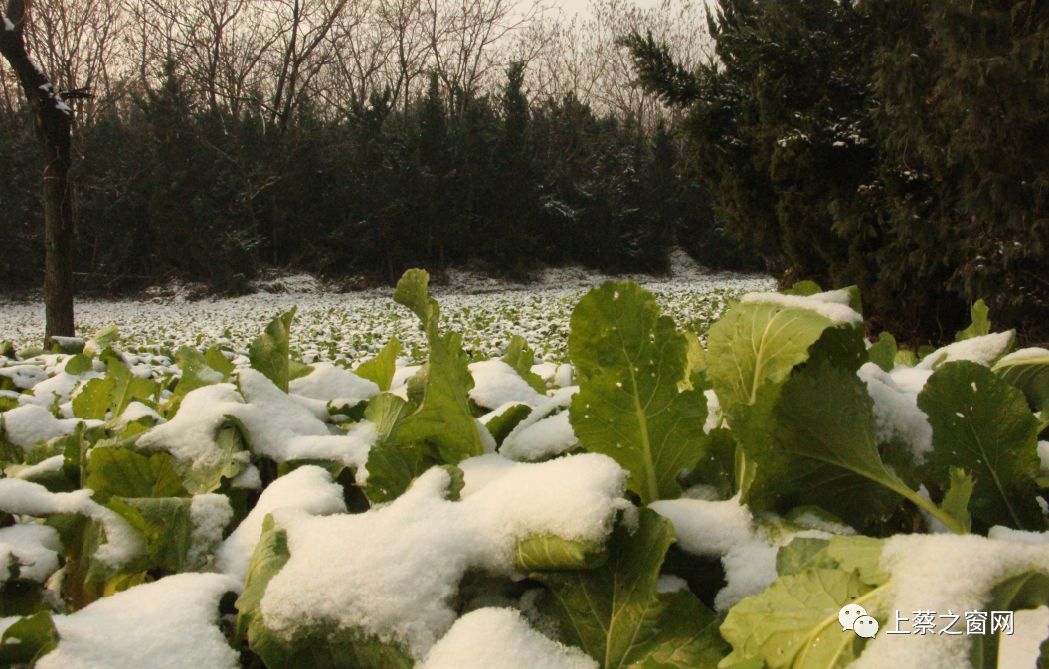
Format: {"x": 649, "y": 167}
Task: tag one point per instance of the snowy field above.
{"x": 354, "y": 326}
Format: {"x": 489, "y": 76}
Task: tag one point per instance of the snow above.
{"x": 1043, "y": 455}
{"x": 209, "y": 515}
{"x": 123, "y": 543}
{"x": 190, "y": 435}
{"x": 706, "y": 528}
{"x": 138, "y": 411}
{"x": 669, "y": 583}
{"x": 714, "y": 416}
{"x": 542, "y": 439}
{"x": 46, "y": 466}
{"x": 1002, "y": 533}
{"x": 726, "y": 529}
{"x": 1022, "y": 648}
{"x": 896, "y": 412}
{"x": 32, "y": 547}
{"x": 308, "y": 488}
{"x": 334, "y": 384}
{"x": 352, "y": 327}
{"x": 1022, "y": 355}
{"x": 541, "y": 435}
{"x": 394, "y": 570}
{"x": 941, "y": 573}
{"x": 496, "y": 383}
{"x": 910, "y": 379}
{"x": 24, "y": 426}
{"x": 172, "y": 622}
{"x": 280, "y": 428}
{"x": 825, "y": 304}
{"x": 24, "y": 376}
{"x": 8, "y": 24}
{"x": 495, "y": 638}
{"x": 984, "y": 350}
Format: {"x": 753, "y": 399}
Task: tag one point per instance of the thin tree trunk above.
{"x": 53, "y": 121}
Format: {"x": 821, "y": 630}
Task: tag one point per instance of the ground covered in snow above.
{"x": 355, "y": 325}
{"x": 782, "y": 492}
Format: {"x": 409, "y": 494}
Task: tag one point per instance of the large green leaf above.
{"x": 883, "y": 352}
{"x": 413, "y": 291}
{"x": 521, "y": 358}
{"x": 982, "y": 424}
{"x": 552, "y": 553}
{"x": 381, "y": 368}
{"x": 794, "y": 623}
{"x": 829, "y": 458}
{"x": 269, "y": 352}
{"x": 1028, "y": 370}
{"x": 28, "y": 639}
{"x": 981, "y": 323}
{"x": 166, "y": 525}
{"x": 615, "y": 614}
{"x": 444, "y": 419}
{"x": 113, "y": 392}
{"x": 630, "y": 362}
{"x": 751, "y": 353}
{"x": 122, "y": 472}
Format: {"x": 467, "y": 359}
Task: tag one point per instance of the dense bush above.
{"x": 889, "y": 144}
{"x": 167, "y": 189}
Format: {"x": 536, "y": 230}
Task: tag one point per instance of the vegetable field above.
{"x": 649, "y": 494}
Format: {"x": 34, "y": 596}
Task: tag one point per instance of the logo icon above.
{"x": 854, "y": 617}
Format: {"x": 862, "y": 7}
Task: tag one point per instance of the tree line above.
{"x": 897, "y": 144}
{"x": 216, "y": 138}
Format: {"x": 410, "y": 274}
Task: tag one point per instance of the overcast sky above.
{"x": 573, "y": 6}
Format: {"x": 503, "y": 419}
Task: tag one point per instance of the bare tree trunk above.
{"x": 53, "y": 120}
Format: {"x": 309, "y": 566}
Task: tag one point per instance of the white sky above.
{"x": 573, "y": 6}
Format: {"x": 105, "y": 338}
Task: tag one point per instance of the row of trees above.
{"x": 895, "y": 144}
{"x": 214, "y": 138}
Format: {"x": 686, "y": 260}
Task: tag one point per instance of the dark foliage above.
{"x": 167, "y": 189}
{"x": 897, "y": 144}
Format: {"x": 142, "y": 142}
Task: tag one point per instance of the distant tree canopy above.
{"x": 165, "y": 188}
{"x": 897, "y": 144}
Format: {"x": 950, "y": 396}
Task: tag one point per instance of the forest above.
{"x": 218, "y": 138}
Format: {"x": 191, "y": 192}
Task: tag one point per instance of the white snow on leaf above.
{"x": 209, "y": 514}
{"x": 24, "y": 376}
{"x": 169, "y": 624}
{"x": 308, "y": 488}
{"x": 726, "y": 529}
{"x": 825, "y": 304}
{"x": 32, "y": 547}
{"x": 123, "y": 543}
{"x": 984, "y": 350}
{"x": 46, "y": 466}
{"x": 545, "y": 438}
{"x": 394, "y": 570}
{"x": 497, "y": 383}
{"x": 553, "y": 437}
{"x": 281, "y": 429}
{"x": 1043, "y": 455}
{"x": 26, "y": 425}
{"x": 330, "y": 383}
{"x": 497, "y": 638}
{"x": 190, "y": 435}
{"x": 896, "y": 412}
{"x": 941, "y": 573}
{"x": 1022, "y": 648}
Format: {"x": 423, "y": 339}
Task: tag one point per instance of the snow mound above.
{"x": 172, "y": 622}
{"x": 493, "y": 638}
{"x": 394, "y": 570}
